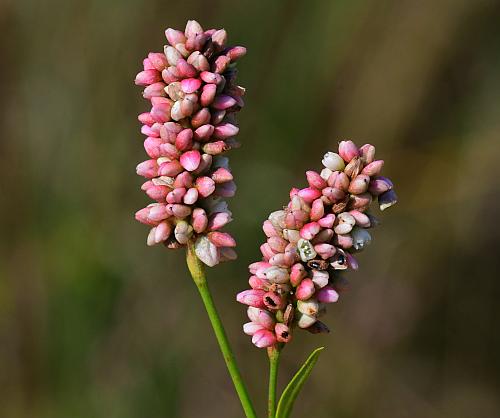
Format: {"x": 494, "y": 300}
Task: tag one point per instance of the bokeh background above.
{"x": 95, "y": 324}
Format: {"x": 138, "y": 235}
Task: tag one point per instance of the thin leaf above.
{"x": 290, "y": 393}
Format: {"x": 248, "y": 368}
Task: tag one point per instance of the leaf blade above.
{"x": 293, "y": 388}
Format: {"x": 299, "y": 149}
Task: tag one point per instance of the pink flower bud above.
{"x": 325, "y": 251}
{"x": 205, "y": 186}
{"x": 158, "y": 213}
{"x": 146, "y": 118}
{"x": 183, "y": 180}
{"x": 236, "y": 52}
{"x": 191, "y": 196}
{"x": 221, "y": 64}
{"x": 148, "y": 169}
{"x": 257, "y": 283}
{"x": 190, "y": 85}
{"x": 202, "y": 117}
{"x": 252, "y": 297}
{"x": 273, "y": 301}
{"x": 190, "y": 160}
{"x": 261, "y": 317}
{"x": 175, "y": 37}
{"x": 171, "y": 168}
{"x": 221, "y": 239}
{"x": 308, "y": 231}
{"x": 158, "y": 60}
{"x": 250, "y": 328}
{"x": 344, "y": 241}
{"x": 327, "y": 221}
{"x": 185, "y": 69}
{"x": 269, "y": 229}
{"x": 320, "y": 278}
{"x": 152, "y": 147}
{"x": 225, "y": 130}
{"x": 198, "y": 61}
{"x": 297, "y": 273}
{"x": 200, "y": 220}
{"x": 184, "y": 140}
{"x": 266, "y": 251}
{"x": 193, "y": 28}
{"x": 374, "y": 168}
{"x": 147, "y": 64}
{"x": 264, "y": 338}
{"x": 204, "y": 132}
{"x": 348, "y": 150}
{"x": 367, "y": 152}
{"x": 258, "y": 266}
{"x": 379, "y": 185}
{"x": 211, "y": 78}
{"x": 154, "y": 90}
{"x": 218, "y": 220}
{"x": 147, "y": 77}
{"x": 219, "y": 38}
{"x": 223, "y": 102}
{"x": 222, "y": 175}
{"x": 157, "y": 192}
{"x": 315, "y": 180}
{"x": 359, "y": 184}
{"x": 176, "y": 195}
{"x": 179, "y": 211}
{"x": 361, "y": 219}
{"x": 317, "y": 210}
{"x": 327, "y": 295}
{"x": 309, "y": 194}
{"x": 305, "y": 289}
{"x": 215, "y": 148}
{"x": 283, "y": 334}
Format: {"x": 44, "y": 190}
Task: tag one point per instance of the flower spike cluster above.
{"x": 310, "y": 241}
{"x": 194, "y": 97}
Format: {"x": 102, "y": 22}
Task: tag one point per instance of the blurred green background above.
{"x": 95, "y": 324}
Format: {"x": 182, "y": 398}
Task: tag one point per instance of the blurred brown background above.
{"x": 95, "y": 324}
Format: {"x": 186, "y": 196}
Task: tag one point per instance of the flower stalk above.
{"x": 198, "y": 274}
{"x": 274, "y": 358}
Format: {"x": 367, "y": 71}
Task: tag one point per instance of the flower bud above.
{"x": 221, "y": 239}
{"x": 367, "y": 153}
{"x": 250, "y": 328}
{"x": 261, "y": 317}
{"x": 305, "y": 289}
{"x": 333, "y": 161}
{"x": 348, "y": 150}
{"x": 283, "y": 334}
{"x": 297, "y": 274}
{"x": 264, "y": 338}
{"x": 320, "y": 278}
{"x": 305, "y": 321}
{"x": 387, "y": 199}
{"x": 308, "y": 307}
{"x": 207, "y": 252}
{"x": 183, "y": 232}
{"x": 359, "y": 184}
{"x": 277, "y": 275}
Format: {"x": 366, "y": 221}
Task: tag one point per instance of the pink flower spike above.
{"x": 327, "y": 295}
{"x": 305, "y": 289}
{"x": 190, "y": 85}
{"x": 348, "y": 150}
{"x": 252, "y": 297}
{"x": 205, "y": 186}
{"x": 250, "y": 328}
{"x": 264, "y": 338}
{"x": 148, "y": 169}
{"x": 146, "y": 77}
{"x": 283, "y": 334}
{"x": 309, "y": 231}
{"x": 221, "y": 239}
{"x": 190, "y": 160}
{"x": 309, "y": 194}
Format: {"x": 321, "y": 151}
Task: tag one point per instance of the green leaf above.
{"x": 290, "y": 393}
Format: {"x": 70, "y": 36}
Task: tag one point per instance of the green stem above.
{"x": 274, "y": 359}
{"x": 197, "y": 272}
